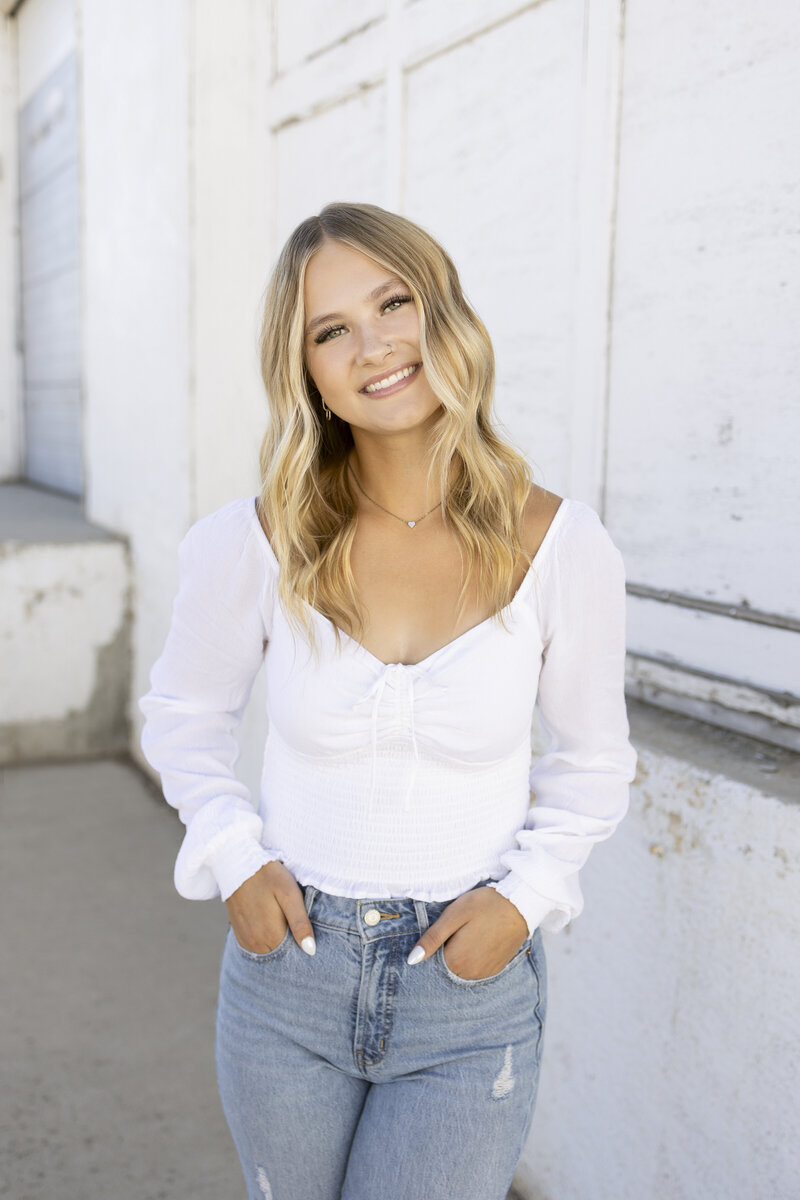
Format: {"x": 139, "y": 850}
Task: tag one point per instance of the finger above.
{"x": 293, "y": 904}
{"x": 437, "y": 933}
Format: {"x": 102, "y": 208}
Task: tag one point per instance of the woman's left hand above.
{"x": 483, "y": 931}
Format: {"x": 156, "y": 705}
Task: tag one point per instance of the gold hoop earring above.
{"x": 327, "y": 411}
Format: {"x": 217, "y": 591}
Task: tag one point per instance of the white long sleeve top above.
{"x": 382, "y": 779}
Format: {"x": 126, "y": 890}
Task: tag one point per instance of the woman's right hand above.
{"x": 260, "y": 910}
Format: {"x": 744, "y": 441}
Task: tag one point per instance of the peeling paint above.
{"x": 675, "y": 827}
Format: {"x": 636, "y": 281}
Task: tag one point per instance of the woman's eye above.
{"x": 325, "y": 336}
{"x": 396, "y": 300}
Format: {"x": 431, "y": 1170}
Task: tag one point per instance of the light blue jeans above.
{"x": 353, "y": 1076}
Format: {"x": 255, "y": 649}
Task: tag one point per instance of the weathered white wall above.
{"x": 46, "y": 35}
{"x": 705, "y": 355}
{"x": 671, "y": 1049}
{"x": 65, "y": 638}
{"x": 229, "y": 226}
{"x": 57, "y": 606}
{"x": 332, "y": 155}
{"x": 175, "y": 231}
{"x": 136, "y": 259}
{"x": 229, "y": 214}
{"x": 10, "y": 366}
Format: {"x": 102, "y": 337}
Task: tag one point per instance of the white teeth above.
{"x": 385, "y": 383}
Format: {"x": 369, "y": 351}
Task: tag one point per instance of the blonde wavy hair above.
{"x": 306, "y": 505}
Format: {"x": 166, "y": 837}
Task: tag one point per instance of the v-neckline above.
{"x": 525, "y": 583}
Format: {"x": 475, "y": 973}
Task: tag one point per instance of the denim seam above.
{"x": 537, "y": 1010}
{"x": 271, "y": 955}
{"x": 388, "y": 1007}
{"x": 359, "y": 1054}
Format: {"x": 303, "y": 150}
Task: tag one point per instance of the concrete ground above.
{"x": 107, "y": 997}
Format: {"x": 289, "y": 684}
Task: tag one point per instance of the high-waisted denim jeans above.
{"x": 353, "y": 1076}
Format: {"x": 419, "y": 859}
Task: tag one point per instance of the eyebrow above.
{"x": 375, "y": 294}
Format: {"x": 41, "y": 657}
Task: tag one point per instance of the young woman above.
{"x": 382, "y": 995}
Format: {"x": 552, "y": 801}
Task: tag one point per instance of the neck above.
{"x": 393, "y": 472}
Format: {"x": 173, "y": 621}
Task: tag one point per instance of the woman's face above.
{"x": 362, "y": 327}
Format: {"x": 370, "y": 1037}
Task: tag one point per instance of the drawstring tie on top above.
{"x": 401, "y": 680}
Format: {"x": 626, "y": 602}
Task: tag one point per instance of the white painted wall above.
{"x": 230, "y": 222}
{"x": 60, "y": 605}
{"x": 229, "y": 184}
{"x": 46, "y": 35}
{"x": 176, "y": 225}
{"x": 332, "y": 155}
{"x": 303, "y": 31}
{"x": 139, "y": 450}
{"x": 10, "y": 365}
{"x": 705, "y": 356}
{"x": 671, "y": 1049}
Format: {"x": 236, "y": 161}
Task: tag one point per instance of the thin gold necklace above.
{"x": 410, "y": 524}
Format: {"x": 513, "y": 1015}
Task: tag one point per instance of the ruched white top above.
{"x": 384, "y": 780}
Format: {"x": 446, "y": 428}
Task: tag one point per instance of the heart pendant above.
{"x": 411, "y": 524}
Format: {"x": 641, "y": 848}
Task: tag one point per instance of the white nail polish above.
{"x": 416, "y": 955}
{"x": 309, "y": 945}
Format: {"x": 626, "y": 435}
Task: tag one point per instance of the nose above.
{"x": 371, "y": 344}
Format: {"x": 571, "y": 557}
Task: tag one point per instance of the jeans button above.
{"x": 371, "y": 916}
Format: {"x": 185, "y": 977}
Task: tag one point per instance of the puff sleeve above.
{"x": 200, "y": 686}
{"x": 581, "y": 783}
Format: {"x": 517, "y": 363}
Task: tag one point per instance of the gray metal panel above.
{"x": 48, "y": 127}
{"x": 53, "y": 425}
{"x": 49, "y": 226}
{"x": 50, "y": 281}
{"x": 51, "y": 321}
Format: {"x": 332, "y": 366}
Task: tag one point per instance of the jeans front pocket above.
{"x": 441, "y": 963}
{"x": 278, "y": 951}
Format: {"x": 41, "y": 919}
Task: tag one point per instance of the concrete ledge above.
{"x": 761, "y": 765}
{"x": 31, "y": 514}
{"x": 65, "y": 630}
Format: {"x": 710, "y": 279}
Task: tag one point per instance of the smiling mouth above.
{"x": 391, "y": 382}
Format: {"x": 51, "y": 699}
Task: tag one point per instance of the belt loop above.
{"x": 311, "y": 895}
{"x": 422, "y": 915}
